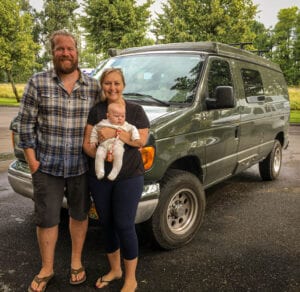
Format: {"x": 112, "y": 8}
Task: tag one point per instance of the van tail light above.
{"x": 148, "y": 154}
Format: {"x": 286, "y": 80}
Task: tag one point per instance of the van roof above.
{"x": 208, "y": 47}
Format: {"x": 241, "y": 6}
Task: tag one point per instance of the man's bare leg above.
{"x": 78, "y": 231}
{"x": 47, "y": 238}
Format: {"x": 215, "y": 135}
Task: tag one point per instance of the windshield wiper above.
{"x": 136, "y": 94}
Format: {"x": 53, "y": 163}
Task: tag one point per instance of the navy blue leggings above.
{"x": 116, "y": 203}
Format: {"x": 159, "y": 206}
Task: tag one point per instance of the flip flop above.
{"x": 75, "y": 272}
{"x": 101, "y": 280}
{"x": 39, "y": 280}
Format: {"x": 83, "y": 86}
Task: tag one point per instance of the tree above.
{"x": 297, "y": 51}
{"x": 116, "y": 24}
{"x": 286, "y": 43}
{"x": 89, "y": 58}
{"x": 17, "y": 48}
{"x": 262, "y": 42}
{"x": 227, "y": 21}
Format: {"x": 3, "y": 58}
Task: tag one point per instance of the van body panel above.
{"x": 221, "y": 144}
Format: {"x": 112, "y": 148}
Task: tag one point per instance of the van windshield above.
{"x": 160, "y": 78}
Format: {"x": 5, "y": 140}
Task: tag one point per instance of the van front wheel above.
{"x": 180, "y": 210}
{"x": 269, "y": 168}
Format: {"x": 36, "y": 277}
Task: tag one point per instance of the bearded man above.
{"x": 52, "y": 117}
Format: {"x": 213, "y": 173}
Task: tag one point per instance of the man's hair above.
{"x": 61, "y": 32}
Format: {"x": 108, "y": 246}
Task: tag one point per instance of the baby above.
{"x": 113, "y": 148}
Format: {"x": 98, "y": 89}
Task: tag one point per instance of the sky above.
{"x": 267, "y": 15}
{"x": 270, "y": 8}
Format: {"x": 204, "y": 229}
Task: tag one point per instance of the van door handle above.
{"x": 261, "y": 98}
{"x": 236, "y": 132}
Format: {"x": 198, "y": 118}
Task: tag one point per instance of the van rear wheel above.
{"x": 180, "y": 210}
{"x": 269, "y": 168}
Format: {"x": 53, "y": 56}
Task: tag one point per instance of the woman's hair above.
{"x": 61, "y": 32}
{"x": 107, "y": 72}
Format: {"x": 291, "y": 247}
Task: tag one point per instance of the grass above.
{"x": 294, "y": 93}
{"x": 295, "y": 117}
{"x": 8, "y": 101}
{"x": 7, "y": 98}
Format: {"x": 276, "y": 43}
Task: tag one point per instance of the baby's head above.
{"x": 116, "y": 113}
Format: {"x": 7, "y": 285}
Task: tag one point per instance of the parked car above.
{"x": 215, "y": 110}
{"x": 88, "y": 71}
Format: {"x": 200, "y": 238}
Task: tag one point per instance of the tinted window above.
{"x": 219, "y": 75}
{"x": 253, "y": 85}
{"x": 274, "y": 84}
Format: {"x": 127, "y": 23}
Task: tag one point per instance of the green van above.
{"x": 215, "y": 110}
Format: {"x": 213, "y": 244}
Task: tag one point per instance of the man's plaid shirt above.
{"x": 52, "y": 122}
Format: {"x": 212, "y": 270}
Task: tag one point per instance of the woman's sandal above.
{"x": 39, "y": 280}
{"x": 75, "y": 272}
{"x": 101, "y": 280}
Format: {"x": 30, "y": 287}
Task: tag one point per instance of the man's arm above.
{"x": 30, "y": 157}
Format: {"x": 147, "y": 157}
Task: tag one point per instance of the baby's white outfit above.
{"x": 113, "y": 144}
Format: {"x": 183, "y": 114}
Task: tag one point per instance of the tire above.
{"x": 180, "y": 210}
{"x": 269, "y": 168}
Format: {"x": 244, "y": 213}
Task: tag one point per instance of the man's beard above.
{"x": 65, "y": 69}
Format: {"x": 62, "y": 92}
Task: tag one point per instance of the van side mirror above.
{"x": 223, "y": 98}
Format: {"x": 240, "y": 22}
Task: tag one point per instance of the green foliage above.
{"x": 227, "y": 21}
{"x": 286, "y": 43}
{"x": 104, "y": 24}
{"x": 262, "y": 42}
{"x": 116, "y": 24}
{"x": 88, "y": 57}
{"x": 17, "y": 48}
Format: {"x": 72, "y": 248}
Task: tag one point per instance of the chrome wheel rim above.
{"x": 182, "y": 211}
{"x": 277, "y": 160}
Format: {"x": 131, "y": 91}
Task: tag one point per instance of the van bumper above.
{"x": 20, "y": 180}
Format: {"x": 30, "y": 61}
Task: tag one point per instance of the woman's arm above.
{"x": 87, "y": 146}
{"x": 144, "y": 133}
{"x": 108, "y": 133}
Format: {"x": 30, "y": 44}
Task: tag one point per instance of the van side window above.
{"x": 219, "y": 75}
{"x": 275, "y": 85}
{"x": 252, "y": 81}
